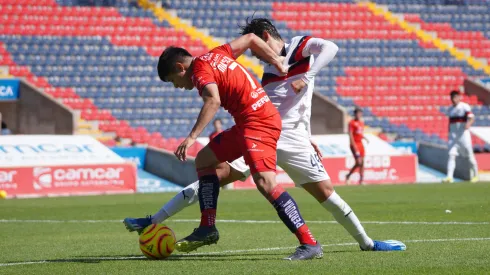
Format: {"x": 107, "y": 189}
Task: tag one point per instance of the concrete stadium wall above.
{"x": 474, "y": 88}
{"x": 34, "y": 112}
{"x": 436, "y": 156}
{"x": 164, "y": 164}
{"x": 326, "y": 116}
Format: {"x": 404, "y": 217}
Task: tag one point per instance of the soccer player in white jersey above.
{"x": 291, "y": 94}
{"x": 460, "y": 120}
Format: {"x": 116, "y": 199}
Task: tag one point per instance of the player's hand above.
{"x": 280, "y": 66}
{"x": 317, "y": 149}
{"x": 181, "y": 152}
{"x": 298, "y": 85}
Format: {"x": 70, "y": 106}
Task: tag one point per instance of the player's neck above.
{"x": 277, "y": 45}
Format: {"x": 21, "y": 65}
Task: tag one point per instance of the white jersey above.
{"x": 458, "y": 116}
{"x": 294, "y": 151}
{"x": 295, "y": 109}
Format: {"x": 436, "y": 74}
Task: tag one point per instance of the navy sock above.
{"x": 288, "y": 212}
{"x": 208, "y": 199}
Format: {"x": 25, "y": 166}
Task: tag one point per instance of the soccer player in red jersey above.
{"x": 217, "y": 129}
{"x": 222, "y": 81}
{"x": 356, "y": 135}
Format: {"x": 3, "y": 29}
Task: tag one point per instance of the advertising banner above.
{"x": 52, "y": 150}
{"x": 405, "y": 147}
{"x": 9, "y": 89}
{"x": 135, "y": 155}
{"x": 383, "y": 163}
{"x": 40, "y": 181}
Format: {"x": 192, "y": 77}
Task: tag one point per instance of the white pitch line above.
{"x": 231, "y": 251}
{"x": 250, "y": 222}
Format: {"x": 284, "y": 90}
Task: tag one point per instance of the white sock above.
{"x": 451, "y": 165}
{"x": 344, "y": 215}
{"x": 474, "y": 166}
{"x": 184, "y": 198}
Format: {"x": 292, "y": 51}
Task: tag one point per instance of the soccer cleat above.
{"x": 447, "y": 180}
{"x": 306, "y": 252}
{"x": 474, "y": 179}
{"x": 137, "y": 224}
{"x": 200, "y": 237}
{"x": 348, "y": 182}
{"x": 390, "y": 245}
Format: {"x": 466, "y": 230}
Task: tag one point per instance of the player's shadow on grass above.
{"x": 178, "y": 257}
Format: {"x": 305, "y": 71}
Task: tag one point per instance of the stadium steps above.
{"x": 442, "y": 33}
{"x": 195, "y": 33}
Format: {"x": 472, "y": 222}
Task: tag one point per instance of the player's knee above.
{"x": 205, "y": 158}
{"x": 360, "y": 162}
{"x": 264, "y": 184}
{"x": 321, "y": 191}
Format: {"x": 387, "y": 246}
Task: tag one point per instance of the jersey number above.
{"x": 316, "y": 162}
{"x": 234, "y": 65}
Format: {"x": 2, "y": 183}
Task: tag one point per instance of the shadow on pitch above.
{"x": 178, "y": 257}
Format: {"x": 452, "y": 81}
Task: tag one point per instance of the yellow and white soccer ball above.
{"x": 157, "y": 241}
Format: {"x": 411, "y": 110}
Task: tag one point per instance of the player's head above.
{"x": 173, "y": 67}
{"x": 217, "y": 124}
{"x": 263, "y": 28}
{"x": 357, "y": 113}
{"x": 455, "y": 97}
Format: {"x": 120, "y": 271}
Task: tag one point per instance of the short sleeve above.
{"x": 202, "y": 76}
{"x": 224, "y": 49}
{"x": 351, "y": 127}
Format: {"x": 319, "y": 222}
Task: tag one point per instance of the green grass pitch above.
{"x": 54, "y": 235}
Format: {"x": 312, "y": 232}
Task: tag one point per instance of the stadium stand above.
{"x": 101, "y": 61}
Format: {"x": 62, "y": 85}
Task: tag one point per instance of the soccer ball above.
{"x": 157, "y": 242}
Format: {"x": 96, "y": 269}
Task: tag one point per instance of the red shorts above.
{"x": 256, "y": 141}
{"x": 360, "y": 150}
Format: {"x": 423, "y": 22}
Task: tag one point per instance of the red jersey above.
{"x": 356, "y": 127}
{"x": 240, "y": 93}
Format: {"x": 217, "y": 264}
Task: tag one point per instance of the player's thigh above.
{"x": 453, "y": 149}
{"x": 206, "y": 158}
{"x": 224, "y": 146}
{"x": 302, "y": 166}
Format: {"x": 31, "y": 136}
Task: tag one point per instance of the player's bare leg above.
{"x": 361, "y": 170}
{"x": 325, "y": 194}
{"x": 357, "y": 164}
{"x": 288, "y": 212}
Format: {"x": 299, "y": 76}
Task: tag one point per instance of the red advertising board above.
{"x": 377, "y": 170}
{"x": 68, "y": 180}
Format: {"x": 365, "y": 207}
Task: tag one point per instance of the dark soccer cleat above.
{"x": 138, "y": 224}
{"x": 390, "y": 245}
{"x": 200, "y": 237}
{"x": 307, "y": 252}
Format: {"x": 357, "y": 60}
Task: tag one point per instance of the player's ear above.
{"x": 179, "y": 67}
{"x": 265, "y": 36}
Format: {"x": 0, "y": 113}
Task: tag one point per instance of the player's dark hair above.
{"x": 454, "y": 93}
{"x": 257, "y": 26}
{"x": 166, "y": 62}
{"x": 357, "y": 110}
{"x": 218, "y": 119}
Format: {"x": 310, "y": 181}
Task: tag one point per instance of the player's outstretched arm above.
{"x": 212, "y": 102}
{"x": 324, "y": 50}
{"x": 259, "y": 48}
